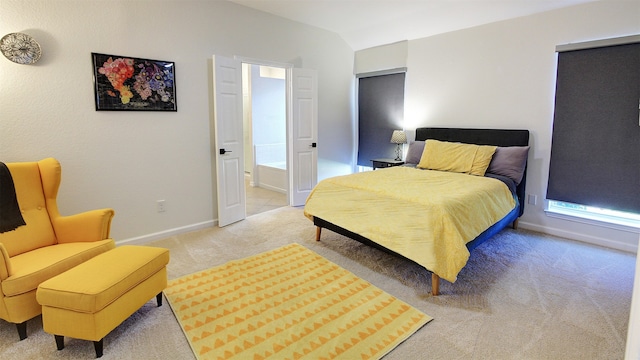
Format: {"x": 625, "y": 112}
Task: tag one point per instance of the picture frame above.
{"x": 126, "y": 83}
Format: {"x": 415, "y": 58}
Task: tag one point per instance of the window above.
{"x": 592, "y": 213}
{"x": 380, "y": 111}
{"x": 595, "y": 151}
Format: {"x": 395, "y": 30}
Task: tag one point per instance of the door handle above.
{"x": 223, "y": 151}
{"x": 313, "y": 145}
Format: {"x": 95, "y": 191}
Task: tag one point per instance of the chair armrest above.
{"x": 5, "y": 263}
{"x": 88, "y": 226}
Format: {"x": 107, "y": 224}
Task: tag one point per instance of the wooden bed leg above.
{"x": 435, "y": 284}
{"x": 318, "y": 231}
{"x": 515, "y": 224}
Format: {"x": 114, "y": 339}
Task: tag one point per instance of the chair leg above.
{"x": 22, "y": 330}
{"x": 159, "y": 299}
{"x": 59, "y": 341}
{"x": 98, "y": 345}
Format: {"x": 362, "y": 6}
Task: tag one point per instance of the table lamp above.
{"x": 398, "y": 137}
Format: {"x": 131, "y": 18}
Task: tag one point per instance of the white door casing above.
{"x": 227, "y": 103}
{"x": 303, "y": 174}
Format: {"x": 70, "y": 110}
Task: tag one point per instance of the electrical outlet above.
{"x": 532, "y": 199}
{"x": 161, "y": 206}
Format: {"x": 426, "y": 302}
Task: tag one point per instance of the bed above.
{"x": 460, "y": 187}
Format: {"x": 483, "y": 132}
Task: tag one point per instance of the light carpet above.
{"x": 522, "y": 296}
{"x": 288, "y": 303}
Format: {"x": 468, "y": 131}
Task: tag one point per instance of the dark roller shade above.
{"x": 595, "y": 151}
{"x": 380, "y": 106}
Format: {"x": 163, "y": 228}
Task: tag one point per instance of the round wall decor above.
{"x": 20, "y": 48}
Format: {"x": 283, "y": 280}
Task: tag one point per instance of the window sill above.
{"x": 594, "y": 220}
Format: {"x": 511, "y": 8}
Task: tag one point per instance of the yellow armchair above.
{"x": 48, "y": 244}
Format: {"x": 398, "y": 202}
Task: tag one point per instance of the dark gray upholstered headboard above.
{"x": 497, "y": 137}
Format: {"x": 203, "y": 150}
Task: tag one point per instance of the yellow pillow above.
{"x": 456, "y": 157}
{"x": 482, "y": 159}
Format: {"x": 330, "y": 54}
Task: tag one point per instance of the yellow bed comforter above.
{"x": 425, "y": 215}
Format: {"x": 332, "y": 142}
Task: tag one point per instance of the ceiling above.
{"x": 368, "y": 23}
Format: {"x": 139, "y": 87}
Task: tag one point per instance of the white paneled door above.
{"x": 304, "y": 133}
{"x": 227, "y": 103}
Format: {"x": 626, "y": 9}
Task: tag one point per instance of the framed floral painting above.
{"x": 128, "y": 83}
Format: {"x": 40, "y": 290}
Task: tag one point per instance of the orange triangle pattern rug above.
{"x": 288, "y": 303}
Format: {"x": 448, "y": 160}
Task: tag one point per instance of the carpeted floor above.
{"x": 523, "y": 295}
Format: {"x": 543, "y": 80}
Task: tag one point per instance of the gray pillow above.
{"x": 509, "y": 161}
{"x": 415, "y": 152}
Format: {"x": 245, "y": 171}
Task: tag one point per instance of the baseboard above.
{"x": 167, "y": 233}
{"x": 618, "y": 245}
{"x": 273, "y": 188}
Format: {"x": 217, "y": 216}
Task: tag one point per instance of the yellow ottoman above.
{"x": 93, "y": 298}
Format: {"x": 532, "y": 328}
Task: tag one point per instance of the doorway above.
{"x": 228, "y": 136}
{"x": 265, "y": 137}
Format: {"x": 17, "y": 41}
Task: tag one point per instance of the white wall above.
{"x": 496, "y": 75}
{"x": 128, "y": 160}
{"x": 502, "y": 75}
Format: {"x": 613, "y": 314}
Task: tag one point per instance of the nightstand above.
{"x": 385, "y": 163}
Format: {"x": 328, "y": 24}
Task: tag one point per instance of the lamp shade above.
{"x": 399, "y": 137}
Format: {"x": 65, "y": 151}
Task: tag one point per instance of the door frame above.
{"x": 290, "y": 126}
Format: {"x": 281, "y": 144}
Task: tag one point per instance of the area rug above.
{"x": 288, "y": 303}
